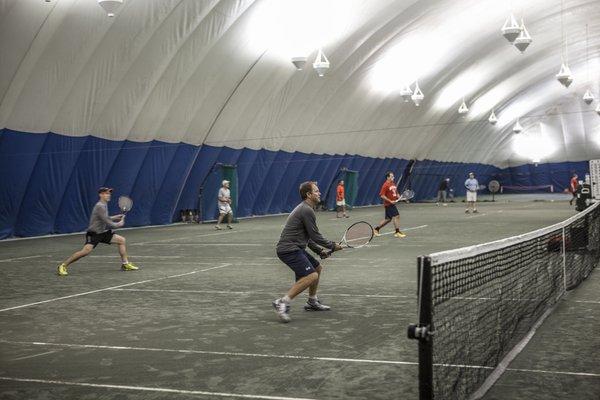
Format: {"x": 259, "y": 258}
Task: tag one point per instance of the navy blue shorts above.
{"x": 391, "y": 211}
{"x": 300, "y": 262}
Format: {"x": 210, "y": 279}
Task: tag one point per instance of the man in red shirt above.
{"x": 573, "y": 188}
{"x": 340, "y": 200}
{"x": 389, "y": 194}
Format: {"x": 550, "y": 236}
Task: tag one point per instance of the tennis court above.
{"x": 196, "y": 320}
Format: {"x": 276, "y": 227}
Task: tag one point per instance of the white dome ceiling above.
{"x": 218, "y": 72}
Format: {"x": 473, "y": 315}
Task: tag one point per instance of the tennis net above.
{"x": 479, "y": 305}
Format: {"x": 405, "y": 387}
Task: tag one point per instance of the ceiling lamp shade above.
{"x": 511, "y": 29}
{"x": 299, "y": 62}
{"x": 523, "y": 40}
{"x": 110, "y": 6}
{"x": 517, "y": 128}
{"x": 405, "y": 93}
{"x": 321, "y": 63}
{"x": 417, "y": 96}
{"x": 564, "y": 75}
{"x": 588, "y": 97}
{"x": 493, "y": 119}
{"x": 463, "y": 109}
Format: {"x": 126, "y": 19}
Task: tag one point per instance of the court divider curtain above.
{"x": 49, "y": 182}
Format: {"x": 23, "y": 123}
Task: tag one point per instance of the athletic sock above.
{"x": 286, "y": 299}
{"x": 312, "y": 299}
{"x": 397, "y": 230}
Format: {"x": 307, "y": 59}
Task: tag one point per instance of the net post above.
{"x": 564, "y": 259}
{"x": 423, "y": 331}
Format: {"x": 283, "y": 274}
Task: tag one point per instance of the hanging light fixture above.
{"x": 588, "y": 97}
{"x": 524, "y": 39}
{"x": 492, "y": 119}
{"x": 511, "y": 29}
{"x": 321, "y": 63}
{"x": 463, "y": 109}
{"x": 405, "y": 93}
{"x": 299, "y": 62}
{"x": 517, "y": 128}
{"x": 417, "y": 95}
{"x": 110, "y": 6}
{"x": 564, "y": 76}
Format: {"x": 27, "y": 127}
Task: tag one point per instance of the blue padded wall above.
{"x": 48, "y": 182}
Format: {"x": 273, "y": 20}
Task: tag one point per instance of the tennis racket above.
{"x": 125, "y": 204}
{"x": 357, "y": 235}
{"x": 407, "y": 195}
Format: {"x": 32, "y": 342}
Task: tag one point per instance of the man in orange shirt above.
{"x": 389, "y": 195}
{"x": 340, "y": 200}
{"x": 573, "y": 188}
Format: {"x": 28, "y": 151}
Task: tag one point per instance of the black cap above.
{"x": 104, "y": 190}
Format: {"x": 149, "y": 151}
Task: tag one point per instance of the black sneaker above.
{"x": 315, "y": 305}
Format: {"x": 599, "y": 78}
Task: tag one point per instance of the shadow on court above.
{"x": 196, "y": 320}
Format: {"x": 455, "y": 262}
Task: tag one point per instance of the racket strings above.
{"x": 359, "y": 234}
{"x": 125, "y": 203}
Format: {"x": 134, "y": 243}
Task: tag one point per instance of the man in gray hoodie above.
{"x": 300, "y": 231}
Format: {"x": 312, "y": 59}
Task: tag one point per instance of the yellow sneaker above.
{"x": 129, "y": 267}
{"x": 376, "y": 232}
{"x": 399, "y": 235}
{"x": 62, "y": 270}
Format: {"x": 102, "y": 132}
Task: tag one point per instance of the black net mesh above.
{"x": 486, "y": 300}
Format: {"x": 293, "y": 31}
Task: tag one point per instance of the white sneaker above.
{"x": 281, "y": 309}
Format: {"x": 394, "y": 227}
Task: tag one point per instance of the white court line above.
{"x": 150, "y": 389}
{"x": 405, "y": 230}
{"x": 382, "y": 296}
{"x": 110, "y": 288}
{"x": 587, "y": 301}
{"x": 216, "y": 353}
{"x": 541, "y": 371}
{"x": 184, "y": 237}
{"x": 22, "y": 258}
{"x": 135, "y": 256}
{"x": 35, "y": 355}
{"x": 284, "y": 356}
{"x": 210, "y": 244}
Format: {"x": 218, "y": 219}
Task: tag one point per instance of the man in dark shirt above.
{"x": 442, "y": 191}
{"x": 100, "y": 231}
{"x": 301, "y": 230}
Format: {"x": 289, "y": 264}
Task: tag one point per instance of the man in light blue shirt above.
{"x": 472, "y": 185}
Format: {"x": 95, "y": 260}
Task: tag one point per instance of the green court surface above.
{"x": 196, "y": 320}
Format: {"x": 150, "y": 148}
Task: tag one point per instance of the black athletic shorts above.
{"x": 391, "y": 211}
{"x": 95, "y": 238}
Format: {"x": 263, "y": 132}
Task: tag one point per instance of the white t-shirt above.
{"x": 226, "y": 194}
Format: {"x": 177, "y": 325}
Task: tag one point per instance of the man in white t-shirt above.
{"x": 472, "y": 185}
{"x": 224, "y": 202}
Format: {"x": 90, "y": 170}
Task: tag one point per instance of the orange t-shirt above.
{"x": 340, "y": 193}
{"x": 390, "y": 191}
{"x": 574, "y": 185}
